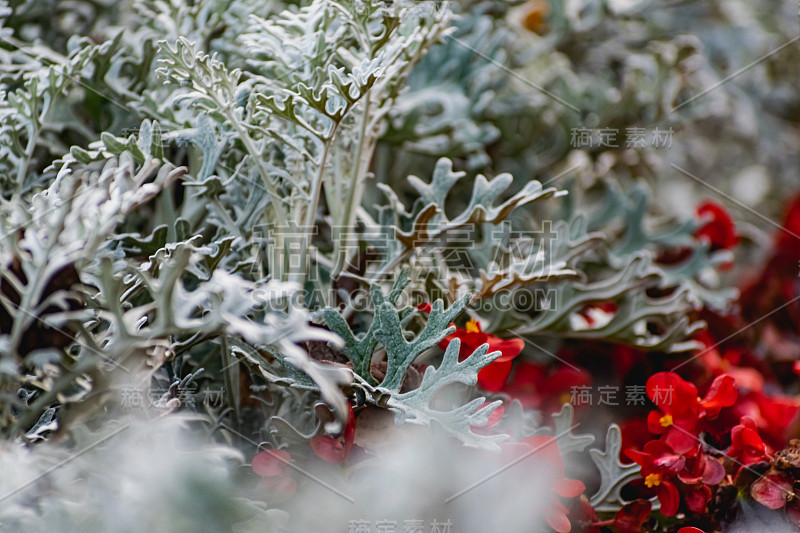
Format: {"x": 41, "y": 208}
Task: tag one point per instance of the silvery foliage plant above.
{"x": 252, "y": 198}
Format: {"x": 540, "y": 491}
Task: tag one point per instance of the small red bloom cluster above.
{"x": 680, "y": 409}
{"x": 676, "y": 467}
{"x": 719, "y": 230}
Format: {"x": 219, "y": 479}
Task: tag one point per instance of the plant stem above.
{"x": 313, "y": 204}
{"x": 355, "y": 191}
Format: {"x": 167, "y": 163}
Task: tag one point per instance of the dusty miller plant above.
{"x": 223, "y": 194}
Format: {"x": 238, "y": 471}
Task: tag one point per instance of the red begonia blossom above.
{"x": 680, "y": 409}
{"x": 660, "y": 468}
{"x": 719, "y": 231}
{"x": 746, "y": 444}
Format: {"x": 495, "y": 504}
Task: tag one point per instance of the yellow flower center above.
{"x": 473, "y": 326}
{"x": 652, "y": 480}
{"x": 535, "y": 16}
{"x": 665, "y": 421}
{"x": 565, "y": 398}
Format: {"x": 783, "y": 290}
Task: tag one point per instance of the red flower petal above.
{"x": 639, "y": 457}
{"x": 714, "y": 472}
{"x": 719, "y": 231}
{"x": 669, "y": 497}
{"x": 746, "y": 444}
{"x": 772, "y": 489}
{"x": 690, "y": 530}
{"x": 493, "y": 376}
{"x": 284, "y": 486}
{"x": 791, "y": 222}
{"x": 723, "y": 393}
{"x": 697, "y": 497}
{"x": 632, "y": 517}
{"x": 658, "y": 448}
{"x": 547, "y": 450}
{"x": 568, "y": 488}
{"x": 635, "y": 434}
{"x": 349, "y": 434}
{"x": 557, "y": 518}
{"x": 671, "y": 393}
{"x": 680, "y": 437}
{"x": 654, "y": 423}
{"x": 270, "y": 463}
{"x": 328, "y": 449}
{"x": 510, "y": 348}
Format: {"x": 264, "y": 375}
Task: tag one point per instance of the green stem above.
{"x": 355, "y": 191}
{"x": 313, "y": 204}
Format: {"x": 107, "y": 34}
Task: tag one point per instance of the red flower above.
{"x": 631, "y": 518}
{"x": 722, "y": 393}
{"x": 548, "y": 454}
{"x": 584, "y": 516}
{"x": 690, "y": 530}
{"x": 700, "y": 469}
{"x": 273, "y": 466}
{"x": 493, "y": 376}
{"x": 660, "y": 466}
{"x": 774, "y": 415}
{"x": 680, "y": 408}
{"x": 719, "y": 231}
{"x": 673, "y": 476}
{"x": 771, "y": 291}
{"x": 697, "y": 497}
{"x": 271, "y": 463}
{"x": 525, "y": 384}
{"x": 746, "y": 444}
{"x": 335, "y": 450}
{"x": 698, "y": 473}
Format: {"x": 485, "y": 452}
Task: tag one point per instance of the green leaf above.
{"x": 400, "y": 353}
{"x": 135, "y": 244}
{"x": 414, "y": 406}
{"x": 613, "y": 473}
{"x": 428, "y": 222}
{"x": 275, "y": 369}
{"x": 359, "y": 349}
{"x": 566, "y": 439}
